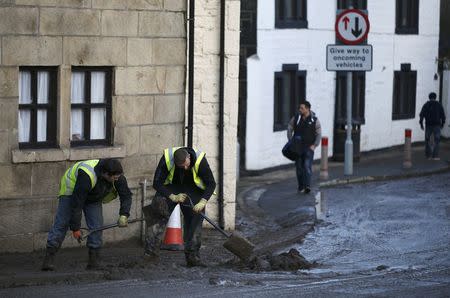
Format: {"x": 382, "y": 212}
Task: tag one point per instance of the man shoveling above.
{"x": 85, "y": 187}
{"x": 182, "y": 172}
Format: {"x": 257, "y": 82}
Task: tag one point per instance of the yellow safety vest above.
{"x": 168, "y": 155}
{"x": 69, "y": 179}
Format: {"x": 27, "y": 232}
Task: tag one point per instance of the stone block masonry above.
{"x": 144, "y": 43}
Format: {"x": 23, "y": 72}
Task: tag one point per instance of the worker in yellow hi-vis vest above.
{"x": 85, "y": 186}
{"x": 181, "y": 172}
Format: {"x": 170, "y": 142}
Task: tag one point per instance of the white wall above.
{"x": 306, "y": 47}
{"x": 446, "y": 103}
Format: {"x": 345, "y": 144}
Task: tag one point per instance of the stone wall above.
{"x": 206, "y": 84}
{"x": 144, "y": 41}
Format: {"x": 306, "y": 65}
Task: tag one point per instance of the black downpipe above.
{"x": 221, "y": 110}
{"x": 190, "y": 124}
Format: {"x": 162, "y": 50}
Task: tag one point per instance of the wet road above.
{"x": 401, "y": 224}
{"x": 401, "y": 227}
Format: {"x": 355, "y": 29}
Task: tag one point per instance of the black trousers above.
{"x": 158, "y": 214}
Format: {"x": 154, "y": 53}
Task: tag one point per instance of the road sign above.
{"x": 352, "y": 26}
{"x": 349, "y": 58}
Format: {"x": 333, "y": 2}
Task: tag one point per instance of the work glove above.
{"x": 200, "y": 206}
{"x": 421, "y": 126}
{"x": 123, "y": 221}
{"x": 179, "y": 198}
{"x": 77, "y": 235}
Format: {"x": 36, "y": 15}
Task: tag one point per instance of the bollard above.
{"x": 324, "y": 160}
{"x": 407, "y": 154}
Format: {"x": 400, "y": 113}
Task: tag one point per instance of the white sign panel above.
{"x": 349, "y": 58}
{"x": 352, "y": 26}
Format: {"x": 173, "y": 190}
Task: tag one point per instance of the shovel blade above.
{"x": 239, "y": 246}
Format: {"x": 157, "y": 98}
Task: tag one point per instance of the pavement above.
{"x": 279, "y": 188}
{"x": 270, "y": 213}
{"x": 271, "y": 199}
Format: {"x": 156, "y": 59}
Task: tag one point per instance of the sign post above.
{"x": 352, "y": 27}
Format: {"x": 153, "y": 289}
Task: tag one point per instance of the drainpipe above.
{"x": 190, "y": 78}
{"x": 221, "y": 111}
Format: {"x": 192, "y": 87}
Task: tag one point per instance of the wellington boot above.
{"x": 151, "y": 258}
{"x": 194, "y": 261}
{"x": 94, "y": 259}
{"x": 49, "y": 260}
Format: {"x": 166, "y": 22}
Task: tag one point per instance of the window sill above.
{"x": 72, "y": 154}
{"x": 300, "y": 24}
{"x": 406, "y": 31}
{"x": 402, "y": 117}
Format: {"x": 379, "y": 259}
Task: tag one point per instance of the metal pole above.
{"x": 143, "y": 195}
{"x": 348, "y": 162}
{"x": 220, "y": 198}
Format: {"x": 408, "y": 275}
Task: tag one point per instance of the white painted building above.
{"x": 415, "y": 45}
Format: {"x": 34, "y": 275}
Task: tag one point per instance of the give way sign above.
{"x": 352, "y": 26}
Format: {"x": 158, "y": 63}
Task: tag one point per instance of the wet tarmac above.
{"x": 383, "y": 226}
{"x": 375, "y": 239}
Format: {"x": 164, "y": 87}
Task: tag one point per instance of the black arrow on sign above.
{"x": 356, "y": 32}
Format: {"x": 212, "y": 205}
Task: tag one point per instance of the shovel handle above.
{"x": 209, "y": 220}
{"x": 215, "y": 225}
{"x": 105, "y": 228}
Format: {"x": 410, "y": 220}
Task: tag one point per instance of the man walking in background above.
{"x": 433, "y": 113}
{"x": 305, "y": 125}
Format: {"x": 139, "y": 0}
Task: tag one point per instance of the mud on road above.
{"x": 124, "y": 260}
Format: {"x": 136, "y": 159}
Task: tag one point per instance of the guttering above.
{"x": 190, "y": 78}
{"x": 221, "y": 112}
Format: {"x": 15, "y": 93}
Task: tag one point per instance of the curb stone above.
{"x": 50, "y": 278}
{"x": 363, "y": 179}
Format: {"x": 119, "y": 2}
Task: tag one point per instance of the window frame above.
{"x": 300, "y": 22}
{"x": 358, "y": 102}
{"x": 34, "y": 106}
{"x": 298, "y": 93}
{"x": 412, "y": 17}
{"x": 399, "y": 112}
{"x": 87, "y": 106}
{"x": 356, "y": 4}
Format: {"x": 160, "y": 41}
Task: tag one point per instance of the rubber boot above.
{"x": 94, "y": 259}
{"x": 193, "y": 260}
{"x": 49, "y": 259}
{"x": 151, "y": 257}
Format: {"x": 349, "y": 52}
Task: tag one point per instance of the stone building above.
{"x": 85, "y": 79}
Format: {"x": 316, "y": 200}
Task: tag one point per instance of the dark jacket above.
{"x": 308, "y": 129}
{"x": 83, "y": 194}
{"x": 433, "y": 112}
{"x": 184, "y": 178}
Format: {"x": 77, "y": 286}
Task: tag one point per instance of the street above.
{"x": 376, "y": 239}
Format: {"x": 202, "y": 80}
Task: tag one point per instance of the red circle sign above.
{"x": 352, "y": 26}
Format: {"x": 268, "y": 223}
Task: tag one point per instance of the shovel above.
{"x": 236, "y": 243}
{"x": 89, "y": 232}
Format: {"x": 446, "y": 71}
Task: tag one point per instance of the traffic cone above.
{"x": 173, "y": 240}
